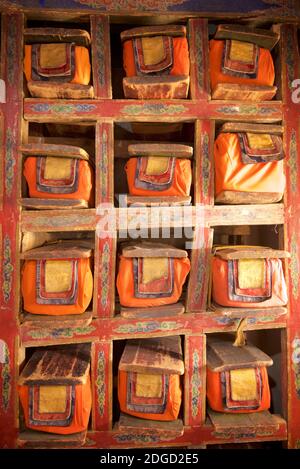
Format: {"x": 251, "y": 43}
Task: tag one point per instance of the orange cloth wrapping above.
{"x": 265, "y": 72}
{"x": 84, "y": 289}
{"x": 220, "y": 286}
{"x": 181, "y": 62}
{"x": 85, "y": 182}
{"x": 83, "y": 404}
{"x": 82, "y": 74}
{"x": 171, "y": 406}
{"x": 231, "y": 174}
{"x": 125, "y": 284}
{"x": 181, "y": 183}
{"x": 216, "y": 400}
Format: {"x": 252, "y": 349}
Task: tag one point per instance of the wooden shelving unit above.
{"x": 103, "y": 326}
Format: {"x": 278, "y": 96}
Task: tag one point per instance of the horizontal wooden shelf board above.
{"x": 122, "y": 328}
{"x": 152, "y": 312}
{"x": 274, "y": 311}
{"x": 218, "y": 215}
{"x": 55, "y": 110}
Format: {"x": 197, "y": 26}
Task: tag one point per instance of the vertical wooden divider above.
{"x": 290, "y": 61}
{"x": 11, "y": 118}
{"x": 194, "y": 380}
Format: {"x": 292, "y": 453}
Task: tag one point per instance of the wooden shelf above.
{"x": 218, "y": 215}
{"x": 32, "y": 439}
{"x": 119, "y": 328}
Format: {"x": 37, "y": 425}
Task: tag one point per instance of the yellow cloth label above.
{"x": 260, "y": 141}
{"x": 53, "y": 55}
{"x": 155, "y": 268}
{"x": 157, "y": 165}
{"x": 243, "y": 384}
{"x": 251, "y": 273}
{"x": 148, "y": 385}
{"x": 52, "y": 399}
{"x": 58, "y": 276}
{"x": 241, "y": 51}
{"x": 58, "y": 168}
{"x": 153, "y": 50}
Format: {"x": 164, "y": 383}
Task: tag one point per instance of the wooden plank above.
{"x": 66, "y": 249}
{"x": 155, "y": 356}
{"x": 102, "y": 384}
{"x": 128, "y": 423}
{"x": 44, "y": 320}
{"x": 255, "y": 128}
{"x": 68, "y": 364}
{"x": 245, "y": 215}
{"x": 243, "y": 422}
{"x": 42, "y": 440}
{"x": 223, "y": 355}
{"x": 153, "y": 312}
{"x": 101, "y": 56}
{"x": 262, "y": 37}
{"x": 52, "y": 204}
{"x": 60, "y": 91}
{"x": 253, "y": 93}
{"x": 148, "y": 249}
{"x": 44, "y": 35}
{"x": 250, "y": 252}
{"x": 175, "y": 150}
{"x": 49, "y": 149}
{"x": 148, "y": 31}
{"x": 240, "y": 312}
{"x": 149, "y": 87}
{"x": 239, "y": 197}
{"x": 136, "y": 200}
{"x": 195, "y": 380}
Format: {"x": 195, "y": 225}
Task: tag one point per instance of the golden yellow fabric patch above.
{"x": 251, "y": 273}
{"x": 157, "y": 165}
{"x": 148, "y": 385}
{"x": 58, "y": 276}
{"x": 58, "y": 168}
{"x": 52, "y": 55}
{"x": 260, "y": 141}
{"x": 52, "y": 399}
{"x": 243, "y": 384}
{"x": 155, "y": 268}
{"x": 241, "y": 51}
{"x": 153, "y": 50}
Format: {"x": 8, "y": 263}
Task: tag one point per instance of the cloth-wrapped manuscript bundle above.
{"x": 156, "y": 62}
{"x": 149, "y": 378}
{"x": 249, "y": 164}
{"x": 57, "y": 63}
{"x": 151, "y": 274}
{"x": 57, "y": 278}
{"x": 248, "y": 276}
{"x": 241, "y": 64}
{"x": 237, "y": 378}
{"x": 55, "y": 389}
{"x": 58, "y": 176}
